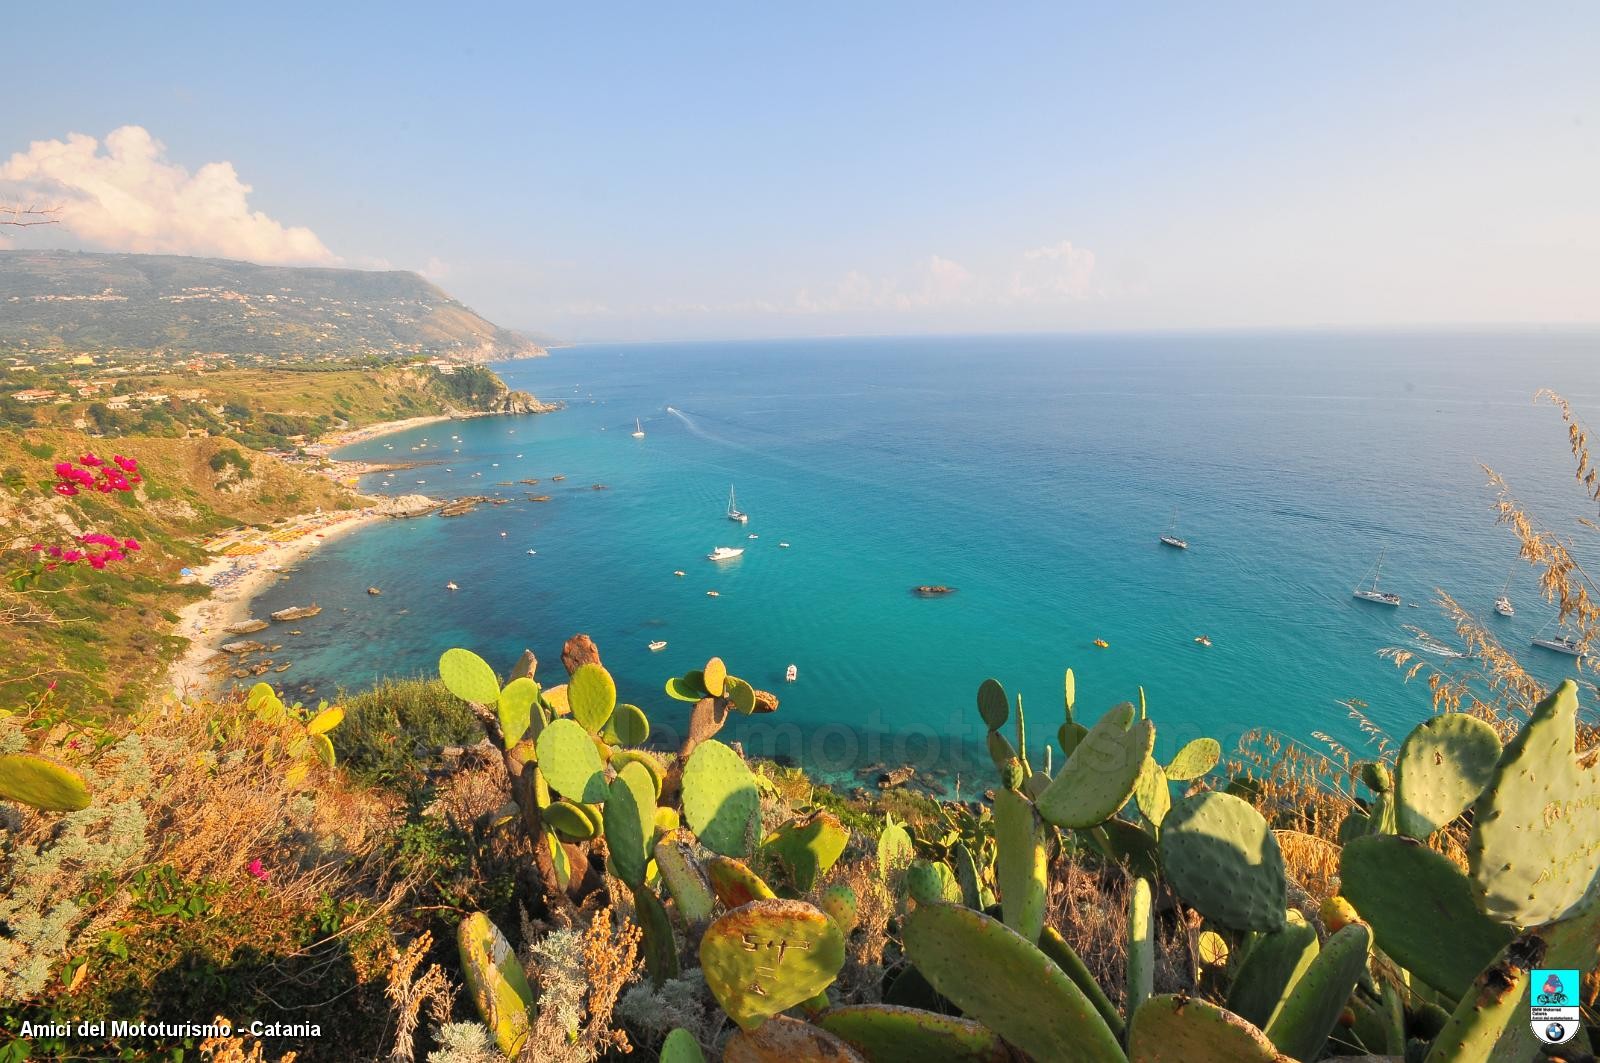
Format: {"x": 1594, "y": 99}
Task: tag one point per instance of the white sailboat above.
{"x": 735, "y": 514}
{"x": 1171, "y": 538}
{"x": 1372, "y": 593}
{"x": 1502, "y": 604}
{"x": 638, "y": 429}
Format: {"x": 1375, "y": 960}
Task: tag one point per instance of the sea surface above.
{"x": 1033, "y": 474}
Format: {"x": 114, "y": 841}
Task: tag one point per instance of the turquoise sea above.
{"x": 1033, "y": 474}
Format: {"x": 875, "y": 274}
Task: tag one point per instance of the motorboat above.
{"x": 712, "y": 594}
{"x": 783, "y": 546}
{"x": 1204, "y": 640}
{"x": 679, "y": 572}
{"x": 1102, "y": 643}
{"x": 1372, "y": 593}
{"x": 657, "y": 646}
{"x": 790, "y": 674}
{"x": 725, "y": 553}
{"x": 451, "y": 586}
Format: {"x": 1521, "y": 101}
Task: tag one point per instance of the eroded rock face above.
{"x": 579, "y": 651}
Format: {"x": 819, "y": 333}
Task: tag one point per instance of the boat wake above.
{"x": 1426, "y": 643}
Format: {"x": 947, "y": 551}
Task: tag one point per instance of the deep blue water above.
{"x": 1033, "y": 474}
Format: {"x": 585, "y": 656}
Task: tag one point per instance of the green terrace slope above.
{"x": 82, "y": 302}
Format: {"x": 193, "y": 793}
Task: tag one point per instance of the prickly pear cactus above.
{"x": 734, "y": 883}
{"x": 630, "y": 822}
{"x": 627, "y": 726}
{"x": 1153, "y": 795}
{"x": 1421, "y": 910}
{"x": 715, "y": 677}
{"x": 885, "y": 1033}
{"x": 1221, "y": 857}
{"x": 782, "y": 1039}
{"x": 1100, "y": 775}
{"x": 1317, "y": 999}
{"x": 1194, "y": 760}
{"x": 592, "y": 696}
{"x": 569, "y": 819}
{"x": 840, "y": 903}
{"x": 1141, "y": 945}
{"x": 1002, "y": 981}
{"x": 932, "y": 882}
{"x": 42, "y": 783}
{"x": 993, "y": 705}
{"x": 685, "y": 880}
{"x": 1271, "y": 968}
{"x": 681, "y": 1047}
{"x": 570, "y": 762}
{"x": 808, "y": 846}
{"x": 1535, "y": 845}
{"x": 1021, "y": 863}
{"x": 720, "y": 799}
{"x": 767, "y": 956}
{"x": 660, "y": 948}
{"x": 1443, "y": 766}
{"x": 469, "y": 677}
{"x": 496, "y": 982}
{"x": 1493, "y": 1001}
{"x": 515, "y": 707}
{"x": 1181, "y": 1029}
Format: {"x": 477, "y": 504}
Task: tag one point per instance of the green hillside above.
{"x": 76, "y": 301}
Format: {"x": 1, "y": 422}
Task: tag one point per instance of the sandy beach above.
{"x": 372, "y": 431}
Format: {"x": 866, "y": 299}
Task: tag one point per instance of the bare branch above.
{"x": 22, "y": 217}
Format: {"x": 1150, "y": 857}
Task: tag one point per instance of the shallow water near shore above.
{"x": 1032, "y": 474}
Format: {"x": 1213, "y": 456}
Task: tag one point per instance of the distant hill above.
{"x": 97, "y": 302}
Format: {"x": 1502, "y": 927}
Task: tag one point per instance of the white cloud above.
{"x": 1042, "y": 277}
{"x": 1057, "y": 271}
{"x": 125, "y": 195}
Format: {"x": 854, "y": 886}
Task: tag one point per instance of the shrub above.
{"x": 392, "y": 731}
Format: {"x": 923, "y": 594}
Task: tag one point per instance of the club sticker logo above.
{"x": 1553, "y": 1005}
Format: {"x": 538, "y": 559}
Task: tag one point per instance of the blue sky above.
{"x": 691, "y": 170}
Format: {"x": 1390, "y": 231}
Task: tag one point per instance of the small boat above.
{"x": 783, "y": 546}
{"x": 679, "y": 572}
{"x": 1372, "y": 593}
{"x": 1204, "y": 640}
{"x": 657, "y": 646}
{"x": 502, "y": 535}
{"x": 712, "y": 594}
{"x": 790, "y": 674}
{"x": 735, "y": 514}
{"x": 451, "y": 586}
{"x": 563, "y": 476}
{"x": 752, "y": 535}
{"x": 1102, "y": 643}
{"x": 1567, "y": 644}
{"x": 532, "y": 552}
{"x": 725, "y": 553}
{"x": 638, "y": 429}
{"x": 1502, "y": 604}
{"x": 1171, "y": 537}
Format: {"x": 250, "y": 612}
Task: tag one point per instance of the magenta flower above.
{"x": 66, "y": 489}
{"x": 125, "y": 464}
{"x": 64, "y": 468}
{"x": 69, "y": 556}
{"x": 131, "y": 544}
{"x": 257, "y": 872}
{"x": 90, "y": 460}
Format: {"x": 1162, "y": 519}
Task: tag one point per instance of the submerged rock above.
{"x": 298, "y": 612}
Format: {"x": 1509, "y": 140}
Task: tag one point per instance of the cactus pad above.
{"x": 1181, "y": 1029}
{"x": 592, "y": 696}
{"x": 1306, "y": 1018}
{"x": 993, "y": 705}
{"x": 720, "y": 799}
{"x": 1002, "y": 981}
{"x": 767, "y": 956}
{"x": 1485, "y": 1013}
{"x": 1100, "y": 775}
{"x": 884, "y": 1033}
{"x": 689, "y": 687}
{"x": 1443, "y": 766}
{"x": 681, "y": 1047}
{"x": 568, "y": 820}
{"x": 630, "y": 821}
{"x": 1421, "y": 910}
{"x": 786, "y": 1040}
{"x": 469, "y": 677}
{"x": 841, "y": 905}
{"x": 496, "y": 982}
{"x": 895, "y": 849}
{"x": 42, "y": 783}
{"x": 514, "y": 706}
{"x": 1021, "y": 863}
{"x": 628, "y": 726}
{"x": 734, "y": 884}
{"x": 1141, "y": 945}
{"x": 1153, "y": 794}
{"x": 740, "y": 693}
{"x": 1270, "y": 969}
{"x": 645, "y": 760}
{"x": 808, "y": 846}
{"x": 660, "y": 947}
{"x": 1194, "y": 760}
{"x": 571, "y": 763}
{"x": 932, "y": 881}
{"x": 685, "y": 880}
{"x": 714, "y": 677}
{"x": 1535, "y": 845}
{"x": 1221, "y": 857}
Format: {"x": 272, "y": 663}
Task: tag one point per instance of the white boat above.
{"x": 752, "y": 535}
{"x": 791, "y": 674}
{"x": 725, "y": 553}
{"x": 1171, "y": 538}
{"x": 657, "y": 646}
{"x": 638, "y": 429}
{"x": 451, "y": 586}
{"x": 736, "y": 514}
{"x": 1567, "y": 644}
{"x": 1503, "y": 606}
{"x": 532, "y": 552}
{"x": 783, "y": 546}
{"x": 1372, "y": 593}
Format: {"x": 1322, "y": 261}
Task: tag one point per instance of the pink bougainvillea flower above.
{"x": 37, "y": 547}
{"x": 91, "y": 460}
{"x": 96, "y": 561}
{"x": 257, "y": 872}
{"x": 131, "y": 544}
{"x": 64, "y": 468}
{"x": 125, "y": 464}
{"x": 66, "y": 489}
{"x": 52, "y": 685}
{"x": 75, "y": 744}
{"x": 70, "y": 556}
{"x": 55, "y": 551}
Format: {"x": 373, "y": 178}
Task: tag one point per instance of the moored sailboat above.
{"x": 1372, "y": 593}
